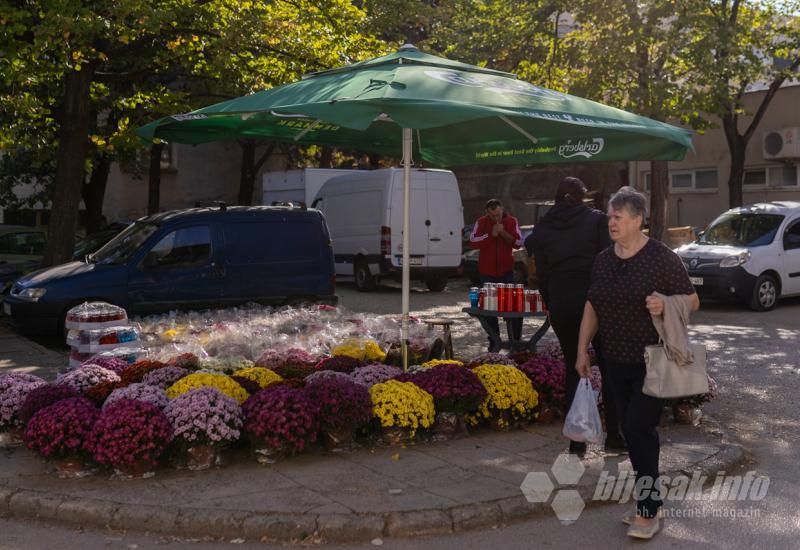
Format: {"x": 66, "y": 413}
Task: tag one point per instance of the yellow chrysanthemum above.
{"x": 363, "y": 350}
{"x": 402, "y": 404}
{"x": 261, "y": 376}
{"x": 509, "y": 389}
{"x": 435, "y": 362}
{"x": 223, "y": 383}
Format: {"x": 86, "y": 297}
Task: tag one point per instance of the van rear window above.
{"x": 248, "y": 243}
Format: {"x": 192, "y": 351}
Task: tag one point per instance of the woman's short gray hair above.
{"x": 630, "y": 198}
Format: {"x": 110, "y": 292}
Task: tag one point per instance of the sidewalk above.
{"x": 19, "y": 354}
{"x": 424, "y": 489}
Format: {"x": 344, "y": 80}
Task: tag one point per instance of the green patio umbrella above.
{"x": 447, "y": 113}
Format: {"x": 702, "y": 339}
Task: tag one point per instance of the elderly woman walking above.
{"x": 620, "y": 304}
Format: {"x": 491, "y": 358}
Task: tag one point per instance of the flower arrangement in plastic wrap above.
{"x": 116, "y": 364}
{"x": 165, "y": 377}
{"x": 511, "y": 396}
{"x": 44, "y": 396}
{"x": 549, "y": 378}
{"x": 14, "y": 390}
{"x": 223, "y": 383}
{"x": 263, "y": 377}
{"x": 376, "y": 373}
{"x": 339, "y": 363}
{"x": 280, "y": 420}
{"x": 130, "y": 436}
{"x": 402, "y": 405}
{"x": 344, "y": 407}
{"x": 61, "y": 430}
{"x": 275, "y": 359}
{"x": 490, "y": 359}
{"x": 188, "y": 361}
{"x": 87, "y": 376}
{"x": 139, "y": 392}
{"x": 361, "y": 349}
{"x": 454, "y": 389}
{"x": 437, "y": 362}
{"x": 136, "y": 372}
{"x": 204, "y": 416}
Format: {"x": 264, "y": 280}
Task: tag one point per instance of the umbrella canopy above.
{"x": 461, "y": 114}
{"x": 454, "y": 114}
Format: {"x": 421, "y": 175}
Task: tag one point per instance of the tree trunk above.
{"x": 736, "y": 178}
{"x": 247, "y": 174}
{"x": 326, "y": 158}
{"x": 154, "y": 188}
{"x": 94, "y": 193}
{"x": 737, "y": 145}
{"x": 659, "y": 191}
{"x": 70, "y": 169}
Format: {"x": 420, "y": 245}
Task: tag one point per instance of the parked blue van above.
{"x": 189, "y": 259}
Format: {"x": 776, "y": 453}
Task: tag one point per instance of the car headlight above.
{"x": 736, "y": 260}
{"x": 32, "y": 294}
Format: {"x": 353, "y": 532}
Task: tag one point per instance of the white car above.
{"x": 750, "y": 253}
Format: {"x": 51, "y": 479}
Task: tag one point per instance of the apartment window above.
{"x": 694, "y": 180}
{"x": 772, "y": 177}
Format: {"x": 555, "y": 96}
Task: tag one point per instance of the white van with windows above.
{"x": 751, "y": 253}
{"x": 364, "y": 213}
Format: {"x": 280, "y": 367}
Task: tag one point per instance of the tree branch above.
{"x": 762, "y": 108}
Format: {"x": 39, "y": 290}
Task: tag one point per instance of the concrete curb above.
{"x": 294, "y": 527}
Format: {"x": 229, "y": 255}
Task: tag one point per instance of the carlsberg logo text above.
{"x": 581, "y": 148}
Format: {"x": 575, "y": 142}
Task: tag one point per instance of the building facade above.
{"x": 698, "y": 190}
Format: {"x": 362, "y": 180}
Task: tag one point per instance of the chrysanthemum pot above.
{"x": 72, "y": 468}
{"x": 202, "y": 457}
{"x": 449, "y": 425}
{"x": 684, "y": 413}
{"x": 12, "y": 437}
{"x": 548, "y": 415}
{"x": 338, "y": 439}
{"x": 270, "y": 454}
{"x": 499, "y": 421}
{"x": 396, "y": 435}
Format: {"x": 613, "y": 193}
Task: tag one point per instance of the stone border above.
{"x": 295, "y": 527}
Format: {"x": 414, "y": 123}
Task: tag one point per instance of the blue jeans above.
{"x": 515, "y": 329}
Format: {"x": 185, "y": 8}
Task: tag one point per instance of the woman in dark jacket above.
{"x": 564, "y": 245}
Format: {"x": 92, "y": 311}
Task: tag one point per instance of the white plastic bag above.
{"x": 583, "y": 420}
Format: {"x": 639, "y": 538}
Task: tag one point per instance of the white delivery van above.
{"x": 364, "y": 212}
{"x": 296, "y": 185}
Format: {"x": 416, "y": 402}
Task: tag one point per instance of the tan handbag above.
{"x": 666, "y": 379}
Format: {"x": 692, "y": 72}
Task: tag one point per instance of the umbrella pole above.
{"x": 407, "y": 142}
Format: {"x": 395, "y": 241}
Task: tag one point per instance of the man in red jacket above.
{"x": 496, "y": 235}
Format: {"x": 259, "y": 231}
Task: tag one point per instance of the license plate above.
{"x": 696, "y": 281}
{"x": 7, "y": 308}
{"x": 411, "y": 261}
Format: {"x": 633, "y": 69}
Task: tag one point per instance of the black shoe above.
{"x": 437, "y": 348}
{"x": 494, "y": 349}
{"x": 615, "y": 442}
{"x": 577, "y": 448}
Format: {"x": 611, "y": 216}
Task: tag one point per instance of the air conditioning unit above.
{"x": 781, "y": 144}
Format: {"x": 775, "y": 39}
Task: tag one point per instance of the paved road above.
{"x": 755, "y": 358}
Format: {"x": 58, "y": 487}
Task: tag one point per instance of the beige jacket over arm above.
{"x": 673, "y": 327}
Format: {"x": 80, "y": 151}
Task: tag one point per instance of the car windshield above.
{"x": 119, "y": 249}
{"x": 742, "y": 229}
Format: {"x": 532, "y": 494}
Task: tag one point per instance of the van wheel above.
{"x": 765, "y": 294}
{"x": 365, "y": 282}
{"x": 437, "y": 283}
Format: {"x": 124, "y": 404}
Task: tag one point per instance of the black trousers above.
{"x": 515, "y": 330}
{"x": 639, "y": 417}
{"x": 567, "y": 299}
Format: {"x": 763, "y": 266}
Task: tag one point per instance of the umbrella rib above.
{"x": 518, "y": 128}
